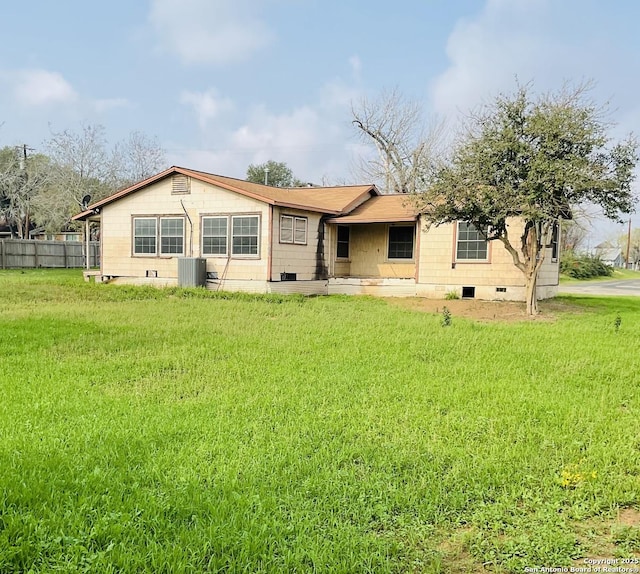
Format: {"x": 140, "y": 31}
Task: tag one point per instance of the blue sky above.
{"x": 226, "y": 83}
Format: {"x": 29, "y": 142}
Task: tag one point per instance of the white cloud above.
{"x": 313, "y": 140}
{"x": 206, "y": 105}
{"x": 547, "y": 43}
{"x": 508, "y": 40}
{"x": 42, "y": 87}
{"x": 209, "y": 31}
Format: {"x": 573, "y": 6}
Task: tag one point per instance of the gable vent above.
{"x": 180, "y": 184}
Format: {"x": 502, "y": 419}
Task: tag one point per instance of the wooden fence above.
{"x": 30, "y": 253}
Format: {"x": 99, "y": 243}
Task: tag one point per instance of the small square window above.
{"x": 293, "y": 229}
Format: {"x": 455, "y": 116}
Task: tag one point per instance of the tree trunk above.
{"x": 531, "y": 297}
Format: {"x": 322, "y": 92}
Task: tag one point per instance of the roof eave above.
{"x": 306, "y": 207}
{"x": 346, "y": 219}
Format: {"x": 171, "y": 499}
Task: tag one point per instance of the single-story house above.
{"x": 314, "y": 240}
{"x": 65, "y": 235}
{"x": 611, "y": 256}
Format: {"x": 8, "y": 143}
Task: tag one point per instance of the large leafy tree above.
{"x": 274, "y": 173}
{"x": 531, "y": 158}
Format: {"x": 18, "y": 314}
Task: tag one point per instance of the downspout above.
{"x": 87, "y": 243}
{"x": 417, "y": 253}
{"x": 270, "y": 243}
{"x": 190, "y": 229}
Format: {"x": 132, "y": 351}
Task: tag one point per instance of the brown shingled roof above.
{"x": 381, "y": 209}
{"x": 331, "y": 200}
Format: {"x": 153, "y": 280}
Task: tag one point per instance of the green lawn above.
{"x": 147, "y": 430}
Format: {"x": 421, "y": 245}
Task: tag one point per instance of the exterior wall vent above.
{"x": 180, "y": 184}
{"x": 151, "y": 273}
{"x": 501, "y": 289}
{"x": 192, "y": 272}
{"x": 468, "y": 292}
{"x": 288, "y": 276}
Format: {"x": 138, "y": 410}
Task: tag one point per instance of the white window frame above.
{"x": 286, "y": 229}
{"x": 225, "y": 218}
{"x": 158, "y": 248}
{"x": 161, "y": 236}
{"x": 233, "y": 236}
{"x": 467, "y": 241}
{"x": 300, "y": 226}
{"x": 295, "y": 230}
{"x": 134, "y": 236}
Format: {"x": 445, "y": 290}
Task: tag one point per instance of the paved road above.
{"x": 619, "y": 287}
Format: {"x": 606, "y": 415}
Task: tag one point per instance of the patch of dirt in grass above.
{"x": 487, "y": 311}
{"x": 629, "y": 517}
{"x": 605, "y": 539}
{"x": 456, "y": 556}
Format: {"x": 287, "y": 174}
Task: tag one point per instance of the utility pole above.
{"x": 626, "y": 259}
{"x": 23, "y": 156}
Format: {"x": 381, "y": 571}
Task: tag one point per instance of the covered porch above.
{"x": 374, "y": 249}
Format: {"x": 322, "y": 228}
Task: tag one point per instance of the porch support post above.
{"x": 86, "y": 239}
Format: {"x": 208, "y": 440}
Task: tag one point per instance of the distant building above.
{"x": 611, "y": 256}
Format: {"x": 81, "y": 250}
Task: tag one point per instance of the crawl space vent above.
{"x": 468, "y": 292}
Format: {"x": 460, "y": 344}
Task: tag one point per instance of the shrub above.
{"x": 584, "y": 266}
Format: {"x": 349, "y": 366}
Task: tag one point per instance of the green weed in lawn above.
{"x": 146, "y": 430}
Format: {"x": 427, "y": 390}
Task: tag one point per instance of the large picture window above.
{"x": 158, "y": 235}
{"x": 214, "y": 235}
{"x": 244, "y": 234}
{"x": 238, "y": 233}
{"x": 401, "y": 242}
{"x": 471, "y": 244}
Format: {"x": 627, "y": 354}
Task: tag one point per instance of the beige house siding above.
{"x": 157, "y": 200}
{"x": 440, "y": 272}
{"x": 368, "y": 250}
{"x": 432, "y": 272}
{"x": 296, "y": 258}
